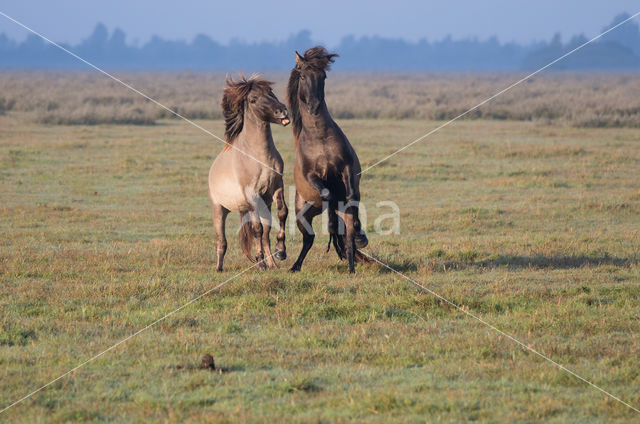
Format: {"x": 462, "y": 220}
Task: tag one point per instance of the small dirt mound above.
{"x": 207, "y": 363}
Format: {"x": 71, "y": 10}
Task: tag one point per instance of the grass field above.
{"x": 533, "y": 227}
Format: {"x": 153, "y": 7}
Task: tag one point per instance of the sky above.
{"x": 328, "y": 20}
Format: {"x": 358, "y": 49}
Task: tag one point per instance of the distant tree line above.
{"x": 618, "y": 50}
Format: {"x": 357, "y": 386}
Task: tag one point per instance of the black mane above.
{"x": 318, "y": 59}
{"x": 294, "y": 103}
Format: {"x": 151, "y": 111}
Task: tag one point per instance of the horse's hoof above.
{"x": 281, "y": 256}
{"x": 294, "y": 269}
{"x": 219, "y": 269}
{"x": 361, "y": 241}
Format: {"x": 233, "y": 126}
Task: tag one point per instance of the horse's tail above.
{"x": 246, "y": 237}
{"x": 336, "y": 239}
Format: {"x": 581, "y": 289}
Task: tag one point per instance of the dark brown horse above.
{"x": 248, "y": 177}
{"x": 326, "y": 171}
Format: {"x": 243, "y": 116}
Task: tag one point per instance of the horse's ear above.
{"x": 299, "y": 58}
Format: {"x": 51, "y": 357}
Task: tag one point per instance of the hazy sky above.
{"x": 328, "y": 20}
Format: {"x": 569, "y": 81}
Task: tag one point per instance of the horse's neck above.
{"x": 256, "y": 136}
{"x": 321, "y": 120}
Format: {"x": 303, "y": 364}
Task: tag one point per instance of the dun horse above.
{"x": 326, "y": 171}
{"x": 248, "y": 177}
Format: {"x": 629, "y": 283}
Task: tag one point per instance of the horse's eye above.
{"x": 253, "y": 100}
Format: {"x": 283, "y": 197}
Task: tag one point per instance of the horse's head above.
{"x": 307, "y": 77}
{"x": 250, "y": 98}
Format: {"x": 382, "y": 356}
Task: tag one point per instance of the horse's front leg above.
{"x": 316, "y": 183}
{"x": 283, "y": 212}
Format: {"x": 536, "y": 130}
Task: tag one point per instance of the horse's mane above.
{"x": 316, "y": 59}
{"x": 294, "y": 103}
{"x": 233, "y": 98}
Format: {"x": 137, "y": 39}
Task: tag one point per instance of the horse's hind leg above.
{"x": 255, "y": 225}
{"x": 219, "y": 219}
{"x": 305, "y": 212}
{"x": 336, "y": 230}
{"x": 350, "y": 217}
{"x": 265, "y": 218}
{"x": 283, "y": 212}
{"x": 351, "y": 182}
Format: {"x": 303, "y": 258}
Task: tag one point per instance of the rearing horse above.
{"x": 248, "y": 177}
{"x": 326, "y": 171}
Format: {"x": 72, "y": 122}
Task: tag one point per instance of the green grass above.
{"x": 532, "y": 227}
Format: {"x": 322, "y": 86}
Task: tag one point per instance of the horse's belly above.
{"x": 228, "y": 193}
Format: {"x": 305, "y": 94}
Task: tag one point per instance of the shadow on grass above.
{"x": 197, "y": 368}
{"x": 554, "y": 262}
{"x": 400, "y": 266}
{"x": 230, "y": 368}
{"x": 509, "y": 261}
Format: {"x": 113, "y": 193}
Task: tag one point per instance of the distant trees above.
{"x": 627, "y": 35}
{"x": 619, "y": 49}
